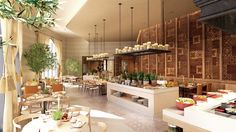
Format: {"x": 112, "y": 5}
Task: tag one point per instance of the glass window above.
{"x": 51, "y": 73}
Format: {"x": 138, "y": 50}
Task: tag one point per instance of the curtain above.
{"x": 58, "y": 45}
{"x": 12, "y": 33}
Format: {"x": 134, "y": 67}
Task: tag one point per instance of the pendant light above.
{"x": 89, "y": 42}
{"x": 95, "y": 34}
{"x": 132, "y": 24}
{"x": 120, "y": 24}
{"x": 104, "y": 34}
{"x": 148, "y": 19}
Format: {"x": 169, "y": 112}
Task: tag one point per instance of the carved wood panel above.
{"x": 182, "y": 46}
{"x": 171, "y": 40}
{"x": 196, "y": 45}
{"x": 212, "y": 52}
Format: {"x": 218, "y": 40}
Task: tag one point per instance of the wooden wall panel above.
{"x": 145, "y": 35}
{"x": 152, "y": 64}
{"x": 137, "y": 64}
{"x": 182, "y": 47}
{"x": 171, "y": 40}
{"x": 145, "y": 63}
{"x": 153, "y": 34}
{"x": 212, "y": 52}
{"x": 160, "y": 64}
{"x": 229, "y": 57}
{"x": 196, "y": 46}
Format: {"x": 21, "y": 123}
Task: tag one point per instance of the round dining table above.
{"x": 49, "y": 125}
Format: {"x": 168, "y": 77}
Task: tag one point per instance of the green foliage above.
{"x": 146, "y": 77}
{"x": 124, "y": 76}
{"x": 129, "y": 76}
{"x": 153, "y": 76}
{"x": 140, "y": 75}
{"x": 134, "y": 76}
{"x": 37, "y": 13}
{"x": 45, "y": 91}
{"x": 39, "y": 58}
{"x": 72, "y": 66}
{"x": 57, "y": 115}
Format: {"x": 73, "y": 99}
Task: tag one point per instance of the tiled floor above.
{"x": 112, "y": 114}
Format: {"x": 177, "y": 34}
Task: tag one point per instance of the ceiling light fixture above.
{"x": 120, "y": 24}
{"x": 104, "y": 34}
{"x": 89, "y": 42}
{"x": 148, "y": 18}
{"x": 132, "y": 24}
{"x": 95, "y": 34}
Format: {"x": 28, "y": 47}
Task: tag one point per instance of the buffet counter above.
{"x": 202, "y": 117}
{"x": 148, "y": 101}
{"x": 89, "y": 77}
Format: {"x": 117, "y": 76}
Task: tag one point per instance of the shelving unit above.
{"x": 144, "y": 52}
{"x": 158, "y": 98}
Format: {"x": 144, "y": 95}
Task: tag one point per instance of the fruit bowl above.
{"x": 182, "y": 103}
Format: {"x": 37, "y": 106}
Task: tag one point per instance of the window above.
{"x": 51, "y": 73}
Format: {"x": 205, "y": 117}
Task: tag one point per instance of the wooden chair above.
{"x": 208, "y": 88}
{"x": 57, "y": 87}
{"x": 29, "y": 90}
{"x": 21, "y": 118}
{"x": 198, "y": 90}
{"x": 83, "y": 111}
{"x": 64, "y": 104}
{"x": 102, "y": 125}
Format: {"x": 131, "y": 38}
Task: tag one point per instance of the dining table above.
{"x": 45, "y": 123}
{"x": 42, "y": 98}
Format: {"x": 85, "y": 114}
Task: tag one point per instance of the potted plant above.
{"x": 123, "y": 77}
{"x": 134, "y": 78}
{"x": 39, "y": 58}
{"x": 146, "y": 79}
{"x": 153, "y": 79}
{"x": 129, "y": 78}
{"x": 72, "y": 67}
{"x": 140, "y": 76}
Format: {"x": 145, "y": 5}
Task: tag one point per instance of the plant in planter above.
{"x": 153, "y": 79}
{"x": 146, "y": 79}
{"x": 129, "y": 78}
{"x": 134, "y": 78}
{"x": 72, "y": 67}
{"x": 57, "y": 115}
{"x": 39, "y": 58}
{"x": 140, "y": 76}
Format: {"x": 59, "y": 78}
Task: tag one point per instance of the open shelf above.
{"x": 128, "y": 97}
{"x": 144, "y": 52}
{"x": 98, "y": 59}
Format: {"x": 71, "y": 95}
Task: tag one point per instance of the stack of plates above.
{"x": 145, "y": 102}
{"x": 135, "y": 98}
{"x": 140, "y": 101}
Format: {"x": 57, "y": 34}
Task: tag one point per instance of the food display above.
{"x": 214, "y": 94}
{"x": 227, "y": 109}
{"x": 224, "y": 91}
{"x": 65, "y": 117}
{"x": 182, "y": 103}
{"x": 200, "y": 98}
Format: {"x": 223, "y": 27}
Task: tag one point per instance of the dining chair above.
{"x": 29, "y": 107}
{"x": 53, "y": 104}
{"x": 83, "y": 110}
{"x": 57, "y": 87}
{"x": 29, "y": 90}
{"x": 198, "y": 90}
{"x": 17, "y": 121}
{"x": 208, "y": 88}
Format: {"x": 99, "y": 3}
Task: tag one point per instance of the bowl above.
{"x": 182, "y": 103}
{"x": 202, "y": 98}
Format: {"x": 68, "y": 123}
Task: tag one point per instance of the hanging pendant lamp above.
{"x": 132, "y": 24}
{"x": 120, "y": 24}
{"x": 89, "y": 42}
{"x": 104, "y": 34}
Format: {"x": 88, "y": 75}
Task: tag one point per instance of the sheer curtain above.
{"x": 11, "y": 32}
